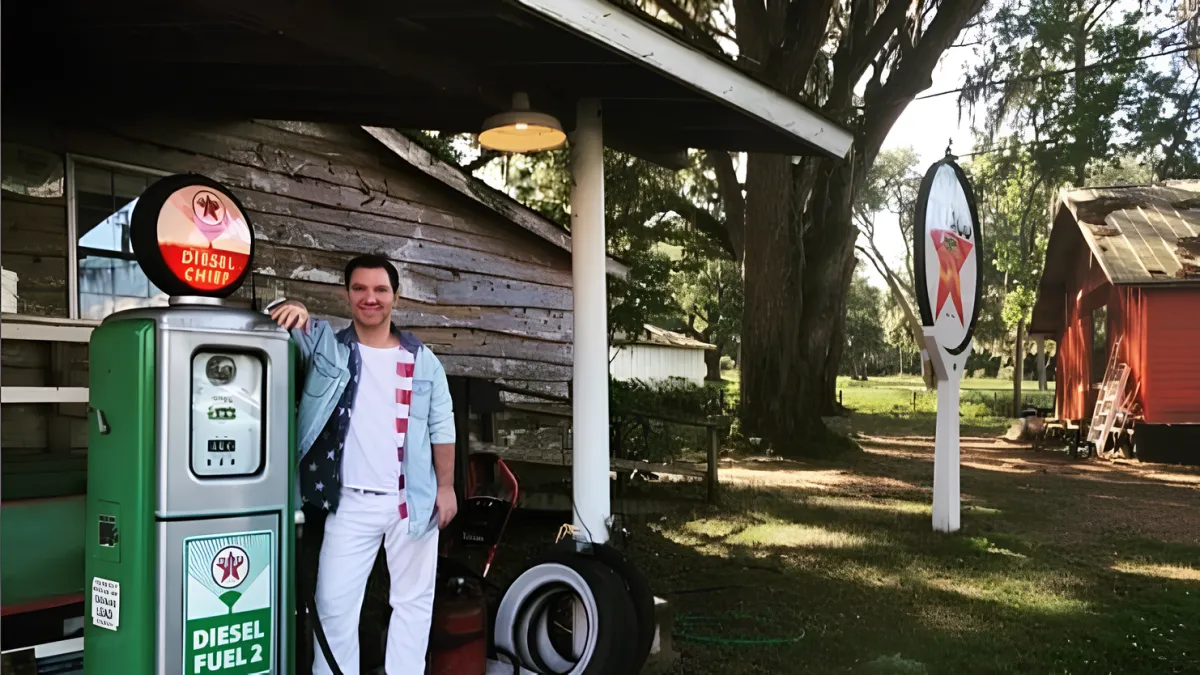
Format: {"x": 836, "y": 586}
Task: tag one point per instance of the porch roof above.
{"x": 441, "y": 65}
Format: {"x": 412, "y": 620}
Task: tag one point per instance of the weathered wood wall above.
{"x": 492, "y": 299}
{"x": 45, "y": 444}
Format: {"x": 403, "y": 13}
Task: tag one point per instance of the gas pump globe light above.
{"x": 221, "y": 370}
{"x": 521, "y": 130}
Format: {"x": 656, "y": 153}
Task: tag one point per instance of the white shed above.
{"x": 658, "y": 354}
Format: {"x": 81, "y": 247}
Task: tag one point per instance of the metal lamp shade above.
{"x": 522, "y": 131}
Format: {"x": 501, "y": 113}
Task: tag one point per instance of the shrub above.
{"x": 634, "y": 404}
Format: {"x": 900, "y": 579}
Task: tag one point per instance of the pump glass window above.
{"x": 109, "y": 277}
{"x": 226, "y": 414}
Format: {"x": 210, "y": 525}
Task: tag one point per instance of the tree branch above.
{"x": 690, "y": 25}
{"x": 914, "y": 324}
{"x": 733, "y": 202}
{"x": 804, "y": 33}
{"x": 485, "y": 157}
{"x": 1091, "y": 21}
{"x": 751, "y": 29}
{"x": 913, "y": 73}
{"x": 855, "y": 55}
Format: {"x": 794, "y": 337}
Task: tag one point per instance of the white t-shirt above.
{"x": 369, "y": 459}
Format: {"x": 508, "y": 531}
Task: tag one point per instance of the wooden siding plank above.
{"x": 417, "y": 282}
{"x": 445, "y": 228}
{"x": 338, "y": 238}
{"x": 329, "y": 301}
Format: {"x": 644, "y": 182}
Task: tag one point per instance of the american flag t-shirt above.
{"x": 405, "y": 365}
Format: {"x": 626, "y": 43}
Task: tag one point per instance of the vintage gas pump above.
{"x": 190, "y": 513}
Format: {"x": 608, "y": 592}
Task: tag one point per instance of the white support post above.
{"x": 590, "y": 466}
{"x": 1041, "y": 362}
{"x": 946, "y": 490}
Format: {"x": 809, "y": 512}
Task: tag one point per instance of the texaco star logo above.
{"x": 208, "y": 207}
{"x": 229, "y": 566}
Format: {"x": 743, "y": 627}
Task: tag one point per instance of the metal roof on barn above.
{"x": 1139, "y": 234}
{"x": 662, "y": 337}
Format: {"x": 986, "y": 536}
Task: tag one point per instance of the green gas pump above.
{"x": 190, "y": 504}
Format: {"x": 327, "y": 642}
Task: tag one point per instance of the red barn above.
{"x": 1123, "y": 270}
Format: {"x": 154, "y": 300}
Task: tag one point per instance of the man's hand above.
{"x": 291, "y": 314}
{"x": 447, "y": 505}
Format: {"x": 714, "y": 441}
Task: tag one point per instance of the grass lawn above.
{"x": 901, "y": 403}
{"x": 832, "y": 567}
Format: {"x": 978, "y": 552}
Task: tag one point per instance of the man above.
{"x": 376, "y": 444}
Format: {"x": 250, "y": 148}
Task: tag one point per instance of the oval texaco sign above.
{"x": 946, "y": 254}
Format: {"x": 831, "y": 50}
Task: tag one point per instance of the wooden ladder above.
{"x": 1109, "y": 400}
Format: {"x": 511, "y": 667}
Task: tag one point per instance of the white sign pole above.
{"x": 947, "y": 487}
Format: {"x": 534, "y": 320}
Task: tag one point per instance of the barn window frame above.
{"x": 72, "y": 161}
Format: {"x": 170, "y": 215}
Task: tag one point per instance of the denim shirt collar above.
{"x": 349, "y": 337}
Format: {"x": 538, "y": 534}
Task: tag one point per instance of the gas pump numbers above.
{"x": 227, "y": 399}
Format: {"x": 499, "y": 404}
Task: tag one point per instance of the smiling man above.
{"x": 376, "y": 443}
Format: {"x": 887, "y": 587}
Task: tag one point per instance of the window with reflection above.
{"x": 1099, "y": 343}
{"x": 110, "y": 279}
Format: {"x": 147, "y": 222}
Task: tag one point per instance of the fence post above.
{"x": 914, "y": 401}
{"x": 714, "y": 450}
{"x": 840, "y": 398}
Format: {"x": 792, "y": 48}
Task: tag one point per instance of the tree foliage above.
{"x": 656, "y": 223}
{"x": 866, "y": 345}
{"x": 1077, "y": 82}
{"x": 791, "y": 225}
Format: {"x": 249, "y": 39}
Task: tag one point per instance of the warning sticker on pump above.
{"x": 228, "y": 604}
{"x": 106, "y": 603}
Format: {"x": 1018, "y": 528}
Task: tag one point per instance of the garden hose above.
{"x": 686, "y": 621}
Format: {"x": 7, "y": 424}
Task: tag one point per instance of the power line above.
{"x": 1065, "y": 71}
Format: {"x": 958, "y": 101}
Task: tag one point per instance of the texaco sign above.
{"x": 946, "y": 252}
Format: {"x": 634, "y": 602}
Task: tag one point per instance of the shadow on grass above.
{"x": 831, "y": 566}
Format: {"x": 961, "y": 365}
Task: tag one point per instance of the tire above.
{"x": 636, "y": 585}
{"x": 524, "y": 627}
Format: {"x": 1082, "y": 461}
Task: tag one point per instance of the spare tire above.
{"x": 636, "y": 585}
{"x": 597, "y": 601}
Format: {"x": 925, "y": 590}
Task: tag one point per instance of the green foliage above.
{"x": 1012, "y": 195}
{"x": 710, "y": 295}
{"x": 635, "y": 404}
{"x": 1077, "y": 86}
{"x": 438, "y": 144}
{"x": 1018, "y": 305}
{"x": 674, "y": 397}
{"x": 866, "y": 346}
{"x": 1071, "y": 118}
{"x": 652, "y": 225}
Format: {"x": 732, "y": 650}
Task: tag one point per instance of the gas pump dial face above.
{"x": 226, "y": 414}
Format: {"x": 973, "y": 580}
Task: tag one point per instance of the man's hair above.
{"x": 373, "y": 262}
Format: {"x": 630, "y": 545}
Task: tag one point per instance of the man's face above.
{"x": 371, "y": 296}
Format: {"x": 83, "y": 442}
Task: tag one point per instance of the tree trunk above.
{"x": 837, "y": 344}
{"x": 796, "y": 282}
{"x": 1019, "y": 368}
{"x": 712, "y": 363}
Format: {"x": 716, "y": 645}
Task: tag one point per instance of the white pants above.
{"x": 348, "y": 553}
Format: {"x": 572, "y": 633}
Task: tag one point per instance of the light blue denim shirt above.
{"x": 325, "y": 366}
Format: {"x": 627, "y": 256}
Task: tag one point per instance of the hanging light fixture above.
{"x": 521, "y": 129}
